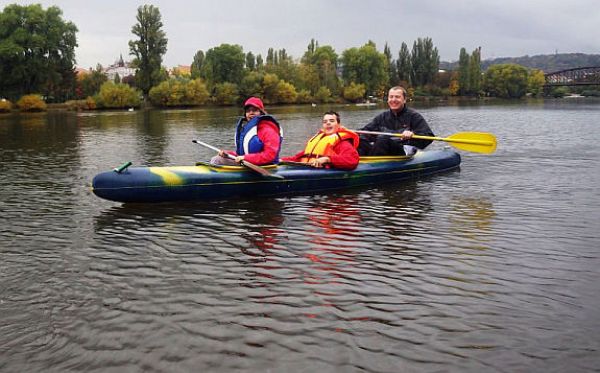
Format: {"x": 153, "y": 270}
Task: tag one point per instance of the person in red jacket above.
{"x": 258, "y": 137}
{"x": 333, "y": 147}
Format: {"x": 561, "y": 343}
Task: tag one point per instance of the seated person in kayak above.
{"x": 333, "y": 147}
{"x": 258, "y": 137}
{"x": 399, "y": 119}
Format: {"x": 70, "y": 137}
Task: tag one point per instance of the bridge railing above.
{"x": 574, "y": 77}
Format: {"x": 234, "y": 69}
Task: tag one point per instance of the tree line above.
{"x": 37, "y": 56}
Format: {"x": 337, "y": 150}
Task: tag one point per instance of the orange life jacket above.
{"x": 322, "y": 145}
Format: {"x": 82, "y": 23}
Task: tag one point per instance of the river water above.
{"x": 494, "y": 267}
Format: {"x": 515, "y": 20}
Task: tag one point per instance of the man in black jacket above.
{"x": 399, "y": 119}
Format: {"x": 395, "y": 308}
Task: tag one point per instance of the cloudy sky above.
{"x": 507, "y": 28}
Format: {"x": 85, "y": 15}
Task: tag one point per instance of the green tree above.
{"x": 404, "y": 67}
{"x": 222, "y": 64}
{"x": 250, "y": 61}
{"x": 365, "y": 65}
{"x": 464, "y": 81}
{"x": 506, "y": 81}
{"x": 424, "y": 62}
{"x": 37, "y": 52}
{"x": 282, "y": 65}
{"x": 260, "y": 65}
{"x": 475, "y": 72}
{"x": 149, "y": 48}
{"x": 391, "y": 66}
{"x": 319, "y": 68}
{"x": 197, "y": 64}
{"x": 251, "y": 84}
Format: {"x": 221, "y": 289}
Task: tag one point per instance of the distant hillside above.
{"x": 545, "y": 62}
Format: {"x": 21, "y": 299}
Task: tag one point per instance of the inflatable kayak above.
{"x": 204, "y": 181}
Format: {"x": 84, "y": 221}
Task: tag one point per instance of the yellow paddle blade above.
{"x": 478, "y": 142}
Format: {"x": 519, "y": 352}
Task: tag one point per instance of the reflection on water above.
{"x": 473, "y": 219}
{"x": 490, "y": 268}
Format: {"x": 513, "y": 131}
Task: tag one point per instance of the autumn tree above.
{"x": 535, "y": 82}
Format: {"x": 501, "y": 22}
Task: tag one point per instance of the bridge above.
{"x": 573, "y": 77}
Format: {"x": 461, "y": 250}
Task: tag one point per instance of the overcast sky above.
{"x": 507, "y": 28}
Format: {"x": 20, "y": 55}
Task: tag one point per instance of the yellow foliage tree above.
{"x": 31, "y": 103}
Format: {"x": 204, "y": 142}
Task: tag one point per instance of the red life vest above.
{"x": 322, "y": 145}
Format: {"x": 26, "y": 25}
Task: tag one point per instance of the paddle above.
{"x": 247, "y": 164}
{"x": 294, "y": 163}
{"x": 478, "y": 142}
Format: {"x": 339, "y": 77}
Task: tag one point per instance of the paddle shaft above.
{"x": 245, "y": 163}
{"x": 421, "y": 137}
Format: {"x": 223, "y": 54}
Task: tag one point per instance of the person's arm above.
{"x": 419, "y": 126}
{"x": 294, "y": 158}
{"x": 346, "y": 157}
{"x": 268, "y": 133}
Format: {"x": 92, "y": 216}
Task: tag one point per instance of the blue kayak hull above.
{"x": 206, "y": 182}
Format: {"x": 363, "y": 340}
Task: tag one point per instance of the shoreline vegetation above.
{"x": 418, "y": 101}
{"x": 46, "y": 78}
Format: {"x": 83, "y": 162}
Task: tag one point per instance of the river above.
{"x": 493, "y": 267}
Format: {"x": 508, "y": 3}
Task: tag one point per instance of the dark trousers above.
{"x": 380, "y": 145}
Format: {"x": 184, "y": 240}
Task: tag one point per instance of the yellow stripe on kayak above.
{"x": 168, "y": 176}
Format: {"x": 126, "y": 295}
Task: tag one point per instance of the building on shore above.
{"x": 121, "y": 68}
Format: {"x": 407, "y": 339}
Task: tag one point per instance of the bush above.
{"x": 285, "y": 92}
{"x": 323, "y": 95}
{"x": 5, "y": 106}
{"x": 179, "y": 92}
{"x": 31, "y": 103}
{"x": 559, "y": 92}
{"x": 226, "y": 94}
{"x": 590, "y": 93}
{"x": 117, "y": 96}
{"x": 78, "y": 105}
{"x": 304, "y": 97}
{"x": 355, "y": 92}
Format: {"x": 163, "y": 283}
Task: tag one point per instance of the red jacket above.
{"x": 345, "y": 156}
{"x": 268, "y": 133}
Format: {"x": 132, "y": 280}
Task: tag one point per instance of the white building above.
{"x": 121, "y": 68}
